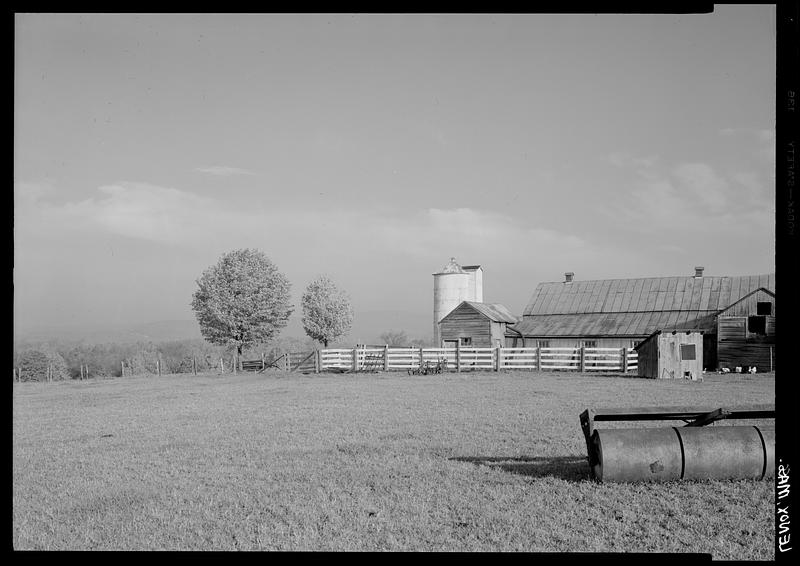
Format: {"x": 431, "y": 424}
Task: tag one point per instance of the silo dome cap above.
{"x": 452, "y": 267}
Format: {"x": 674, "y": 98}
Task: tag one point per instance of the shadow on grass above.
{"x": 571, "y": 468}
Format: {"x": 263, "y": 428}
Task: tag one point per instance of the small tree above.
{"x": 242, "y": 300}
{"x": 395, "y": 339}
{"x": 327, "y": 314}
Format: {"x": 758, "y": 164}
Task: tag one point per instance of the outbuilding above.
{"x": 477, "y": 325}
{"x": 675, "y": 354}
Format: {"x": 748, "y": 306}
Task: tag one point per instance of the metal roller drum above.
{"x": 665, "y": 454}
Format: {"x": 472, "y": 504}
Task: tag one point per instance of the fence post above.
{"x": 624, "y": 360}
{"x": 386, "y": 357}
{"x": 317, "y": 361}
{"x": 355, "y": 359}
{"x": 498, "y": 360}
{"x": 263, "y": 362}
{"x": 538, "y": 358}
{"x": 583, "y": 359}
{"x": 458, "y": 356}
{"x": 194, "y": 365}
{"x": 287, "y": 361}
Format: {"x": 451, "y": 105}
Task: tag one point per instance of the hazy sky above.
{"x": 373, "y": 148}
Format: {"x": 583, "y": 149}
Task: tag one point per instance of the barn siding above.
{"x": 531, "y": 341}
{"x": 748, "y": 305}
{"x": 746, "y": 354}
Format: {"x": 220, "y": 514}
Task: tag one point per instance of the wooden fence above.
{"x": 459, "y": 359}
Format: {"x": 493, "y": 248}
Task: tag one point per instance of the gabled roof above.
{"x": 634, "y": 307}
{"x": 707, "y": 293}
{"x": 750, "y": 294}
{"x": 493, "y": 311}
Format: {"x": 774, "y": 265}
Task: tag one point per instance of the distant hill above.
{"x": 367, "y": 327}
{"x": 157, "y": 331}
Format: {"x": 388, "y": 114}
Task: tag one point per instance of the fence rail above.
{"x": 467, "y": 359}
{"x": 366, "y": 359}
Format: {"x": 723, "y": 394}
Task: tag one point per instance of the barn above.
{"x": 619, "y": 313}
{"x": 676, "y": 354}
{"x": 477, "y": 325}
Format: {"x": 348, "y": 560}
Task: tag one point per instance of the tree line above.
{"x": 241, "y": 303}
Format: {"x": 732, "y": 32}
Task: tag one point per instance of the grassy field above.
{"x": 470, "y": 462}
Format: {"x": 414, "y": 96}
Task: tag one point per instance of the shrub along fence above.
{"x": 465, "y": 359}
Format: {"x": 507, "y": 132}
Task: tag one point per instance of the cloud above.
{"x": 224, "y": 171}
{"x": 623, "y": 159}
{"x": 171, "y": 216}
{"x": 688, "y": 200}
{"x": 698, "y": 182}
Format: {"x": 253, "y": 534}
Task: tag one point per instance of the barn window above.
{"x": 543, "y": 343}
{"x": 688, "y": 352}
{"x": 635, "y": 343}
{"x": 757, "y": 324}
{"x": 589, "y": 343}
{"x": 764, "y": 309}
{"x": 466, "y": 341}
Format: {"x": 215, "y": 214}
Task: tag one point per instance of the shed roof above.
{"x": 633, "y": 307}
{"x": 657, "y": 332}
{"x": 493, "y": 311}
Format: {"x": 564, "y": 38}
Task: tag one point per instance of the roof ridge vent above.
{"x": 698, "y": 272}
{"x": 568, "y": 276}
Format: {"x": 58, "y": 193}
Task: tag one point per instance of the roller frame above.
{"x": 693, "y": 417}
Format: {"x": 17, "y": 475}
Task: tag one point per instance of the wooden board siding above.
{"x": 498, "y": 332}
{"x": 748, "y": 304}
{"x": 731, "y": 354}
{"x": 738, "y": 347}
{"x": 660, "y": 356}
{"x": 465, "y": 322}
{"x": 647, "y": 361}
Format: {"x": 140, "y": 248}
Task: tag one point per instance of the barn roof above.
{"x": 624, "y": 324}
{"x": 633, "y": 307}
{"x": 493, "y": 311}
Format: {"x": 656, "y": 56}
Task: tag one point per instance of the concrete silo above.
{"x": 452, "y": 285}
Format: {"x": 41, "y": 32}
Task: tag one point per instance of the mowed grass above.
{"x": 329, "y": 462}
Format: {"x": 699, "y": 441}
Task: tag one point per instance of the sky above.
{"x": 372, "y": 148}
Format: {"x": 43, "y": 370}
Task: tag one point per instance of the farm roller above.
{"x": 693, "y": 451}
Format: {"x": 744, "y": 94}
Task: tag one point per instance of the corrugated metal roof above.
{"x": 611, "y": 324}
{"x": 493, "y": 311}
{"x": 634, "y": 307}
{"x": 707, "y": 293}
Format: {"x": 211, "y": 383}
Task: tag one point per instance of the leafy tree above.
{"x": 242, "y": 300}
{"x": 36, "y": 363}
{"x": 395, "y": 339}
{"x": 327, "y": 314}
